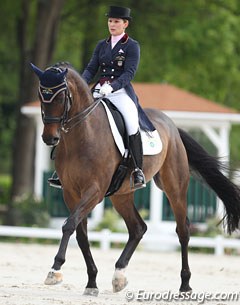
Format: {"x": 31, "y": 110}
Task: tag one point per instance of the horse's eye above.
{"x": 60, "y": 98}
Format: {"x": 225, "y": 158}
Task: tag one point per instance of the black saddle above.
{"x": 125, "y": 164}
{"x": 118, "y": 118}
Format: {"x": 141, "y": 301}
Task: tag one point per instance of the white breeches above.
{"x": 126, "y": 106}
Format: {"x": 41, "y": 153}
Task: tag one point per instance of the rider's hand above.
{"x": 105, "y": 89}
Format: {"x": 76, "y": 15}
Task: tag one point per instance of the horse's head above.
{"x": 55, "y": 101}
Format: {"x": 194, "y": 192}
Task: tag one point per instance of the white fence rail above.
{"x": 106, "y": 237}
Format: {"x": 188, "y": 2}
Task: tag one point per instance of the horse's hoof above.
{"x": 186, "y": 291}
{"x": 119, "y": 284}
{"x": 119, "y": 280}
{"x": 91, "y": 291}
{"x": 53, "y": 278}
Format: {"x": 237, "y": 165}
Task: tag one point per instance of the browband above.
{"x": 47, "y": 94}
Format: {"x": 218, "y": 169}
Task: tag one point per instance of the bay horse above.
{"x": 87, "y": 158}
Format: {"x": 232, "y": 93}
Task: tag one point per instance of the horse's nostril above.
{"x": 56, "y": 140}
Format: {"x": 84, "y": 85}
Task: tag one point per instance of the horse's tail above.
{"x": 209, "y": 169}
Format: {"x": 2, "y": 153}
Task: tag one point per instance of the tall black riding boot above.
{"x": 136, "y": 150}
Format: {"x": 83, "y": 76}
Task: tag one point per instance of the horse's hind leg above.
{"x": 82, "y": 239}
{"x": 183, "y": 235}
{"x": 178, "y": 205}
{"x": 124, "y": 204}
{"x": 174, "y": 178}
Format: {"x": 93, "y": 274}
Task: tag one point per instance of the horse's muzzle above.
{"x": 51, "y": 139}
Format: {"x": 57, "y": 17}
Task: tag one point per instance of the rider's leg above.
{"x": 130, "y": 114}
{"x": 135, "y": 145}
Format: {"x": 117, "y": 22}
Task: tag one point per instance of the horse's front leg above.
{"x": 82, "y": 239}
{"x": 87, "y": 203}
{"x": 124, "y": 205}
{"x": 55, "y": 276}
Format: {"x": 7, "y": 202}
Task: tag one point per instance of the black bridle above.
{"x": 67, "y": 105}
{"x": 66, "y": 123}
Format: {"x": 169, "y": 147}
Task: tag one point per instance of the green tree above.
{"x": 8, "y": 80}
{"x": 36, "y": 27}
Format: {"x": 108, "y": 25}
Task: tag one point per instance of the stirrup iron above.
{"x": 137, "y": 179}
{"x": 54, "y": 181}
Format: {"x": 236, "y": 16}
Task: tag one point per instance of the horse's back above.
{"x": 173, "y": 149}
{"x": 162, "y": 122}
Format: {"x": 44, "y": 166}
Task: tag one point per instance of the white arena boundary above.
{"x": 106, "y": 237}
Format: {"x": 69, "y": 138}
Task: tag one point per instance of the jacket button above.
{"x": 112, "y": 76}
{"x": 112, "y": 70}
{"x": 111, "y": 62}
{"x": 104, "y": 70}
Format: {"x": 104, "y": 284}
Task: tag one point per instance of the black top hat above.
{"x": 119, "y": 12}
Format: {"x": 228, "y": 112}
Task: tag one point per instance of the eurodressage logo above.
{"x": 152, "y": 144}
{"x": 168, "y": 296}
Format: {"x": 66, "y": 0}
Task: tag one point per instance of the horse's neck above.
{"x": 81, "y": 139}
{"x": 80, "y": 102}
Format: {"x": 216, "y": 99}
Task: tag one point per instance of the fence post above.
{"x": 219, "y": 245}
{"x": 105, "y": 242}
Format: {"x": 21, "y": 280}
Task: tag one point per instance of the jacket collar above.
{"x": 123, "y": 40}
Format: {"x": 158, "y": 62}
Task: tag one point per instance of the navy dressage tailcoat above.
{"x": 118, "y": 67}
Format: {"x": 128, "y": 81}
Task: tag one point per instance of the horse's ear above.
{"x": 64, "y": 73}
{"x": 37, "y": 70}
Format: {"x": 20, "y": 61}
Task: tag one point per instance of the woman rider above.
{"x": 117, "y": 58}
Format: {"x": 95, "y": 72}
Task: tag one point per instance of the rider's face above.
{"x": 117, "y": 26}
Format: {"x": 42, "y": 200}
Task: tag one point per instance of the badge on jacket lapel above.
{"x": 120, "y": 59}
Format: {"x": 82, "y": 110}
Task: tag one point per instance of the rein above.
{"x": 81, "y": 116}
